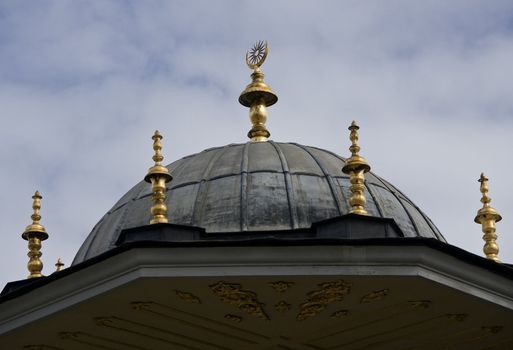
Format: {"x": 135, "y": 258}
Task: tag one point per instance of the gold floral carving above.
{"x": 282, "y": 306}
{"x": 374, "y": 296}
{"x": 420, "y": 304}
{"x": 104, "y": 321}
{"x": 318, "y": 300}
{"x": 233, "y": 318}
{"x": 245, "y": 300}
{"x": 68, "y": 335}
{"x": 492, "y": 329}
{"x": 141, "y": 305}
{"x": 281, "y": 286}
{"x": 188, "y": 297}
{"x": 340, "y": 314}
{"x": 457, "y": 317}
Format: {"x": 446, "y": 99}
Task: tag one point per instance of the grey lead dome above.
{"x": 254, "y": 187}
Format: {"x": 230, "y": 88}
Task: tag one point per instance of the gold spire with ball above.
{"x": 59, "y": 265}
{"x": 355, "y": 167}
{"x": 35, "y": 233}
{"x": 487, "y": 217}
{"x": 258, "y": 95}
{"x": 158, "y": 176}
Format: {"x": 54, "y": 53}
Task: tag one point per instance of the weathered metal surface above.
{"x": 256, "y": 187}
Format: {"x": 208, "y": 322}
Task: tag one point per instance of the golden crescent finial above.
{"x": 256, "y": 56}
{"x": 258, "y": 95}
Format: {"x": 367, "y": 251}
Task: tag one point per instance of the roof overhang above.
{"x": 319, "y": 294}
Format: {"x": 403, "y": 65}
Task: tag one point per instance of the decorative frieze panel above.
{"x": 281, "y": 286}
{"x": 282, "y": 306}
{"x": 245, "y": 300}
{"x": 374, "y": 296}
{"x": 318, "y": 300}
{"x": 188, "y": 297}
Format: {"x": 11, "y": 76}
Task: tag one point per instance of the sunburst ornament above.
{"x": 256, "y": 56}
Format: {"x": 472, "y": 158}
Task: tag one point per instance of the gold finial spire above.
{"x": 487, "y": 217}
{"x": 258, "y": 95}
{"x": 35, "y": 233}
{"x": 59, "y": 265}
{"x": 158, "y": 176}
{"x": 355, "y": 167}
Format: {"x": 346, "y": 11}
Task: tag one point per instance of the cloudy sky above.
{"x": 84, "y": 84}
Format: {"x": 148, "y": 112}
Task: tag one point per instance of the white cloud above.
{"x": 84, "y": 84}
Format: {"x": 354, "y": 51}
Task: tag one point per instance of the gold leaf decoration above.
{"x": 492, "y": 329}
{"x": 420, "y": 304}
{"x": 69, "y": 335}
{"x": 282, "y": 306}
{"x": 104, "y": 321}
{"x": 188, "y": 297}
{"x": 340, "y": 314}
{"x": 245, "y": 300}
{"x": 318, "y": 300}
{"x": 141, "y": 305}
{"x": 457, "y": 317}
{"x": 281, "y": 286}
{"x": 374, "y": 296}
{"x": 233, "y": 318}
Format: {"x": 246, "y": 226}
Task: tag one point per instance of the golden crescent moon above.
{"x": 256, "y": 56}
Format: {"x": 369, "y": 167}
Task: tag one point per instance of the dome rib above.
{"x": 119, "y": 225}
{"x": 244, "y": 188}
{"x": 370, "y": 190}
{"x": 393, "y": 191}
{"x": 397, "y": 194}
{"x": 432, "y": 225}
{"x": 94, "y": 236}
{"x": 294, "y": 218}
{"x": 326, "y": 175}
{"x": 422, "y": 214}
{"x": 203, "y": 187}
{"x": 84, "y": 249}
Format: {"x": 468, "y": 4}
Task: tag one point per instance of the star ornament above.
{"x": 256, "y": 56}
